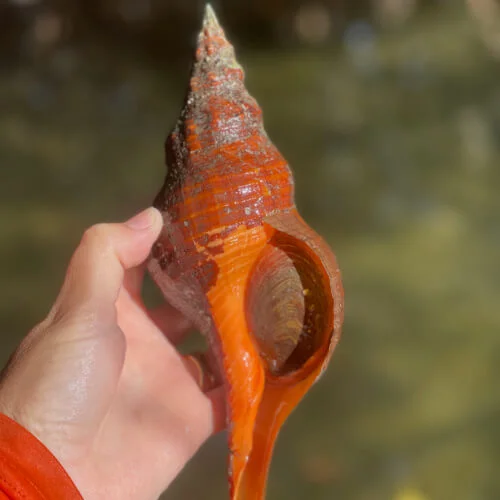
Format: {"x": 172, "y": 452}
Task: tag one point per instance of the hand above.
{"x": 100, "y": 384}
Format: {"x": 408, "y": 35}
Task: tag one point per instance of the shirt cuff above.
{"x": 28, "y": 470}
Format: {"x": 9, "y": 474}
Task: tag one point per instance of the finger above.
{"x": 133, "y": 279}
{"x": 174, "y": 325}
{"x": 217, "y": 399}
{"x": 198, "y": 367}
{"x": 96, "y": 271}
{"x": 197, "y": 418}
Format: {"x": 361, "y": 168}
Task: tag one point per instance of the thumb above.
{"x": 96, "y": 270}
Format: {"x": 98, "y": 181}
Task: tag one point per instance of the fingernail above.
{"x": 143, "y": 220}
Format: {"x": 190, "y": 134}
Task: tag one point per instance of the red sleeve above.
{"x": 28, "y": 470}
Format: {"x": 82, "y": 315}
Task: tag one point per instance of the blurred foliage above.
{"x": 389, "y": 113}
{"x": 159, "y": 27}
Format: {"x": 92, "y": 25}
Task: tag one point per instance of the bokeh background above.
{"x": 389, "y": 113}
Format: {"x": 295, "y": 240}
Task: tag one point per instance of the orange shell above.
{"x": 228, "y": 198}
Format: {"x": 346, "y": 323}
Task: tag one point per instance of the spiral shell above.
{"x": 235, "y": 257}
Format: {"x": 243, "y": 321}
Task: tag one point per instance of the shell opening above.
{"x": 287, "y": 309}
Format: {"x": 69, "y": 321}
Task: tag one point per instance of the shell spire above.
{"x": 212, "y": 41}
{"x": 218, "y": 109}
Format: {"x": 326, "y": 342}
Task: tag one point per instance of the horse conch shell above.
{"x": 235, "y": 257}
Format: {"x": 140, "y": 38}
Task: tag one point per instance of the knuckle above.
{"x": 97, "y": 235}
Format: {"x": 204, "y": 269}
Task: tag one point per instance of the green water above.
{"x": 396, "y": 164}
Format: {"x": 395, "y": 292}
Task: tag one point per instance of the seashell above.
{"x": 236, "y": 257}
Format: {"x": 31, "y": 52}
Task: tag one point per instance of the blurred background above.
{"x": 389, "y": 114}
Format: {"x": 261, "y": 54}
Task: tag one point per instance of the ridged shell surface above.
{"x": 235, "y": 257}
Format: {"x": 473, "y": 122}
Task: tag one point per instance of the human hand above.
{"x": 100, "y": 385}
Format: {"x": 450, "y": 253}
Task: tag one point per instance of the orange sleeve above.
{"x": 28, "y": 470}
